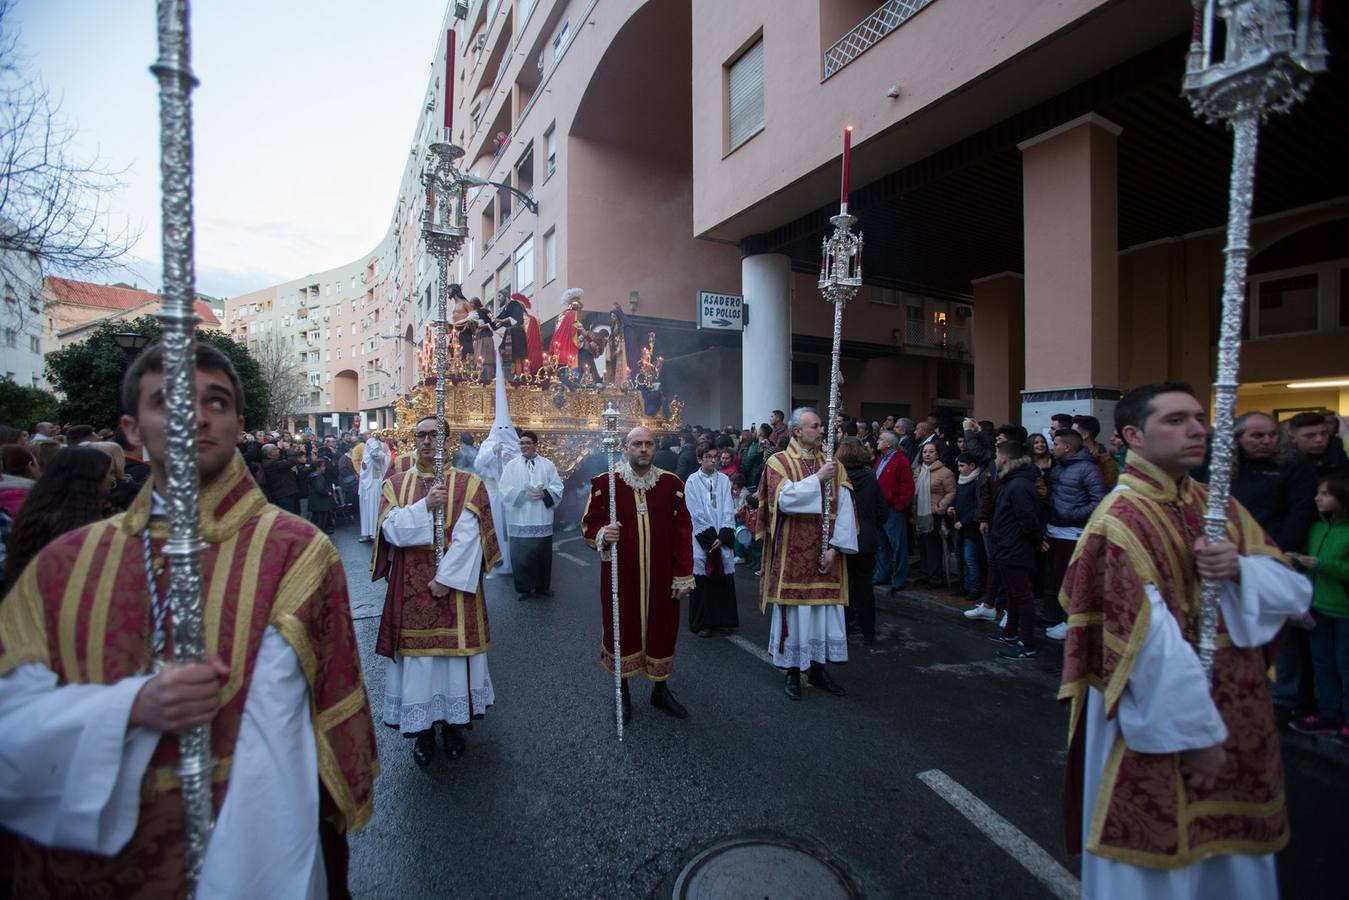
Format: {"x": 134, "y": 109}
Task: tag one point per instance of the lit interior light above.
{"x": 1311, "y": 385}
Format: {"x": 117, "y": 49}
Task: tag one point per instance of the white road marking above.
{"x": 1046, "y": 869}
{"x": 750, "y": 647}
{"x": 575, "y": 559}
{"x": 574, "y": 537}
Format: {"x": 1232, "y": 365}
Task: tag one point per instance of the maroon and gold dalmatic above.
{"x": 791, "y": 543}
{"x": 415, "y": 623}
{"x": 82, "y": 609}
{"x": 1144, "y": 813}
{"x": 655, "y": 557}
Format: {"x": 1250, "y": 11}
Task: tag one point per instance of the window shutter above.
{"x": 746, "y": 94}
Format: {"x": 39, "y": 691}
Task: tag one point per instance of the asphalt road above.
{"x": 546, "y": 803}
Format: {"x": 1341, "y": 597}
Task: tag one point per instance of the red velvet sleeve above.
{"x": 597, "y": 509}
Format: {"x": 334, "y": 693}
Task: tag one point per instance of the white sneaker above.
{"x": 1002, "y": 623}
{"x": 1058, "y": 632}
{"x": 980, "y": 612}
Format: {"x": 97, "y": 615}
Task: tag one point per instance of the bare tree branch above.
{"x": 279, "y": 366}
{"x": 54, "y": 203}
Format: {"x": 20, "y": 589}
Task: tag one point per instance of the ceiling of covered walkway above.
{"x": 957, "y": 215}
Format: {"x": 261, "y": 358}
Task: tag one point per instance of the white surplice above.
{"x": 816, "y": 633}
{"x": 1166, "y": 708}
{"x": 422, "y": 690}
{"x": 708, "y": 498}
{"x": 71, "y": 770}
{"x": 525, "y": 516}
{"x": 374, "y": 465}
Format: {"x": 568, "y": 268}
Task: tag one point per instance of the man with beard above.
{"x": 653, "y": 538}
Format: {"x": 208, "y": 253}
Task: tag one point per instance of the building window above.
{"x": 560, "y": 40}
{"x": 11, "y": 337}
{"x": 524, "y": 266}
{"x": 744, "y": 95}
{"x": 10, "y": 295}
{"x": 550, "y": 255}
{"x": 34, "y": 343}
{"x": 1287, "y": 305}
{"x": 524, "y": 171}
{"x": 327, "y": 356}
{"x": 550, "y": 149}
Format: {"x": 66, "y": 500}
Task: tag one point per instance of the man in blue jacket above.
{"x": 1076, "y": 485}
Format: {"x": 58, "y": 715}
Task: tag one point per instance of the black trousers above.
{"x": 712, "y": 603}
{"x": 1020, "y": 599}
{"x": 532, "y": 563}
{"x": 861, "y": 606}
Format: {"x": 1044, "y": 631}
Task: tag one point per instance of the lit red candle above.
{"x": 847, "y": 165}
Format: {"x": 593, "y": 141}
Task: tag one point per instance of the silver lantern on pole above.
{"x": 1247, "y": 59}
{"x": 610, "y": 444}
{"x": 179, "y": 322}
{"x": 444, "y": 227}
{"x": 840, "y": 278}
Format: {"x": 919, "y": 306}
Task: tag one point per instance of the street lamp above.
{"x": 131, "y": 342}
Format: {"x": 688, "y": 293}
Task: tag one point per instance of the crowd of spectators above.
{"x": 991, "y": 513}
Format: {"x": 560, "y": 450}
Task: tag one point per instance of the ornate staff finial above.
{"x": 1266, "y": 62}
{"x": 840, "y": 278}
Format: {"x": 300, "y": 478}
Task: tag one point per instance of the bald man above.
{"x": 654, "y": 541}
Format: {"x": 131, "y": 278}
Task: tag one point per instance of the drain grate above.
{"x": 762, "y": 867}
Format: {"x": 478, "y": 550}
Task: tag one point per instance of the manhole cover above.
{"x": 757, "y": 867}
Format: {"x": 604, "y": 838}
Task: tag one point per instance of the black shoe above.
{"x": 451, "y": 740}
{"x": 543, "y": 593}
{"x": 424, "y": 748}
{"x": 706, "y": 632}
{"x": 819, "y": 678}
{"x": 1017, "y": 650}
{"x": 664, "y": 699}
{"x": 627, "y": 704}
{"x": 1000, "y": 637}
{"x": 794, "y": 684}
{"x": 524, "y": 596}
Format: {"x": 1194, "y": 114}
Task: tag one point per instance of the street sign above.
{"x": 722, "y": 312}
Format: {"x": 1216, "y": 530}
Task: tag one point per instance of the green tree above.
{"x": 23, "y": 407}
{"x": 89, "y": 374}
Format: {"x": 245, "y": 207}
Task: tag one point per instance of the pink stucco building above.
{"x": 1043, "y": 214}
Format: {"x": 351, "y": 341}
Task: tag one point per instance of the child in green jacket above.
{"x": 1327, "y": 562}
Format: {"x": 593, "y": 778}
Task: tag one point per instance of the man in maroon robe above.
{"x": 654, "y": 540}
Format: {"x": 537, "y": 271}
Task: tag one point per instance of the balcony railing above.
{"x": 954, "y": 339}
{"x": 870, "y": 30}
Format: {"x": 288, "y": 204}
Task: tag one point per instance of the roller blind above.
{"x": 746, "y": 94}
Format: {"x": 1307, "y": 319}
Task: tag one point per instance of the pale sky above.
{"x": 303, "y": 120}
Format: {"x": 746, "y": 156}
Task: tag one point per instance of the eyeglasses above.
{"x": 426, "y": 435}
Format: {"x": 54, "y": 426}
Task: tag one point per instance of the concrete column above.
{"x": 998, "y": 345}
{"x": 766, "y": 357}
{"x": 1070, "y": 208}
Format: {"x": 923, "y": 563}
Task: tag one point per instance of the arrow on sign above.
{"x": 721, "y": 322}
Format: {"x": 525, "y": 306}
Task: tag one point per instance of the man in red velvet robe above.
{"x": 1174, "y": 784}
{"x": 654, "y": 539}
{"x": 89, "y": 797}
{"x": 434, "y": 629}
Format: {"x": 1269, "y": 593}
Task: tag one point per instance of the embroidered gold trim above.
{"x": 98, "y": 619}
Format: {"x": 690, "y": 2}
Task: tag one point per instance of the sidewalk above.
{"x": 1331, "y": 749}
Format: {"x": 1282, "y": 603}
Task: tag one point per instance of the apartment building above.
{"x": 21, "y": 319}
{"x": 1042, "y": 213}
